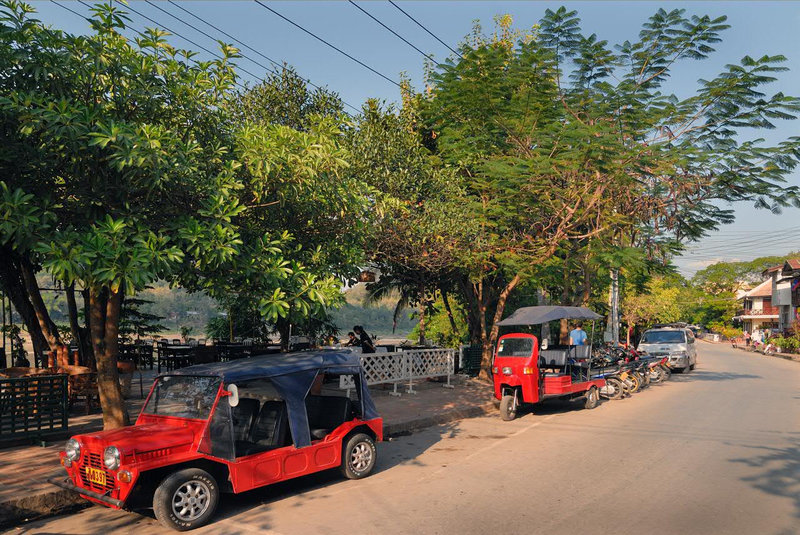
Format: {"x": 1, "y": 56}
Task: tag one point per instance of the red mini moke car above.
{"x": 523, "y": 373}
{"x": 230, "y": 427}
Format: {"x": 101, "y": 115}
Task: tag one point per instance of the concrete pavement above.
{"x": 25, "y": 492}
{"x": 714, "y": 451}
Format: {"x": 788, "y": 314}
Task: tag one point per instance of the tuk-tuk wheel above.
{"x": 359, "y": 456}
{"x": 508, "y": 408}
{"x": 186, "y": 499}
{"x": 592, "y": 398}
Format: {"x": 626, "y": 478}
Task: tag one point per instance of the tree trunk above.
{"x": 473, "y": 312}
{"x": 91, "y": 361}
{"x": 79, "y": 334}
{"x": 421, "y": 308}
{"x": 105, "y": 331}
{"x": 47, "y": 325}
{"x": 450, "y": 317}
{"x": 490, "y": 338}
{"x": 13, "y": 285}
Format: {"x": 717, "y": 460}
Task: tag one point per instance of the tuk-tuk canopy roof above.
{"x": 544, "y": 314}
{"x": 273, "y": 365}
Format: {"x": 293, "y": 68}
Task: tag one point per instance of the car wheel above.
{"x": 592, "y": 398}
{"x": 508, "y": 408}
{"x": 359, "y": 456}
{"x": 186, "y": 499}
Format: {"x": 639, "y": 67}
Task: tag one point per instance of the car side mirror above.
{"x": 232, "y": 393}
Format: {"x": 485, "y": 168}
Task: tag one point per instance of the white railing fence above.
{"x": 408, "y": 366}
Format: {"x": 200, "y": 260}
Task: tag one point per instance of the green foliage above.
{"x": 134, "y": 322}
{"x": 438, "y": 328}
{"x": 788, "y": 344}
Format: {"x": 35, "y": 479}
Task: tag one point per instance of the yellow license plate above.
{"x": 96, "y": 476}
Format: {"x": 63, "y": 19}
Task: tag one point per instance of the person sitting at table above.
{"x": 352, "y": 340}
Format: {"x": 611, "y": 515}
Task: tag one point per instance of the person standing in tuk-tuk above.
{"x": 577, "y": 336}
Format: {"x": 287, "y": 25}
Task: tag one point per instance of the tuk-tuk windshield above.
{"x": 183, "y": 396}
{"x": 515, "y": 347}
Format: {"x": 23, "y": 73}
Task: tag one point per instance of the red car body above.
{"x": 159, "y": 445}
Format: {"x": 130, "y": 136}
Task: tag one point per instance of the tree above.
{"x": 558, "y": 121}
{"x": 420, "y": 221}
{"x": 120, "y": 168}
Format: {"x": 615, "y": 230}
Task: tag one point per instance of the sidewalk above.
{"x": 25, "y": 493}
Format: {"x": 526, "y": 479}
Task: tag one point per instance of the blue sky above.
{"x": 758, "y": 28}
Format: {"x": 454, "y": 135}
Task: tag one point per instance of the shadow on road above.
{"x": 780, "y": 475}
{"x": 703, "y": 375}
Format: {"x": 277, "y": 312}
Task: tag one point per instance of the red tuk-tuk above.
{"x": 524, "y": 372}
{"x": 230, "y": 427}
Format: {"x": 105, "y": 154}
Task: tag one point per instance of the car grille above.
{"x": 95, "y": 460}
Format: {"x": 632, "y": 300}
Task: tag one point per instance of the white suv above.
{"x": 676, "y": 343}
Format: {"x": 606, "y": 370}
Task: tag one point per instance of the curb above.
{"x": 405, "y": 428}
{"x": 56, "y": 502}
{"x": 15, "y": 512}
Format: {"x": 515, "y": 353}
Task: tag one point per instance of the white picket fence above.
{"x": 408, "y": 366}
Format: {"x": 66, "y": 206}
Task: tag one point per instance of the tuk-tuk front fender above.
{"x": 527, "y": 385}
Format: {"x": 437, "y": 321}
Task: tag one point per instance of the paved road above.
{"x": 715, "y": 451}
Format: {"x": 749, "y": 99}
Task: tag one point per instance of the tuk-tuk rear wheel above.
{"x": 592, "y": 398}
{"x": 508, "y": 408}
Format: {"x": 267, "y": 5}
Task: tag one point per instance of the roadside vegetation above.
{"x": 536, "y": 166}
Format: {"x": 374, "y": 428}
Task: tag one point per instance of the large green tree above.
{"x": 557, "y": 137}
{"x": 119, "y": 167}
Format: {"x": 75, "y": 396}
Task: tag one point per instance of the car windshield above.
{"x": 515, "y": 347}
{"x": 664, "y": 337}
{"x": 183, "y": 396}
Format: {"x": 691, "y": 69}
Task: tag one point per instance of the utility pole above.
{"x": 613, "y": 305}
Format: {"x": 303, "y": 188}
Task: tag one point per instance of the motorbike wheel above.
{"x": 508, "y": 409}
{"x": 613, "y": 388}
{"x": 667, "y": 372}
{"x": 636, "y": 383}
{"x": 655, "y": 375}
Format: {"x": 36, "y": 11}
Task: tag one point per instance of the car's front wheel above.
{"x": 186, "y": 499}
{"x": 359, "y": 456}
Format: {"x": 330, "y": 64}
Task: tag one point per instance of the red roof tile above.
{"x": 762, "y": 290}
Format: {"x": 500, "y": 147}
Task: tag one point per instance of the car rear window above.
{"x": 515, "y": 347}
{"x": 183, "y": 396}
{"x": 664, "y": 337}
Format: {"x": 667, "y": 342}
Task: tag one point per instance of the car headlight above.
{"x": 73, "y": 450}
{"x": 111, "y": 458}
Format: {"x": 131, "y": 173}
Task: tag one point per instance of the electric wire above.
{"x": 318, "y": 38}
{"x": 216, "y": 54}
{"x": 409, "y": 43}
{"x": 244, "y": 45}
{"x": 427, "y": 30}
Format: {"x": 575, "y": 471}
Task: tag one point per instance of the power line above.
{"x": 747, "y": 244}
{"x": 391, "y": 30}
{"x": 318, "y": 38}
{"x": 244, "y": 45}
{"x": 426, "y": 29}
{"x": 127, "y": 6}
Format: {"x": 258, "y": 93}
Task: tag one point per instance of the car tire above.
{"x": 359, "y": 456}
{"x": 508, "y": 409}
{"x": 186, "y": 499}
{"x": 592, "y": 398}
